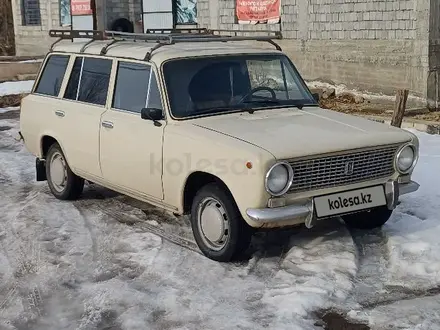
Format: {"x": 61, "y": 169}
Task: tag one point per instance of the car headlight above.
{"x": 406, "y": 159}
{"x": 279, "y": 179}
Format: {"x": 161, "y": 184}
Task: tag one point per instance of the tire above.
{"x": 233, "y": 234}
{"x": 70, "y": 186}
{"x": 372, "y": 219}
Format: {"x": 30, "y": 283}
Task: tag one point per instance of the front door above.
{"x": 131, "y": 147}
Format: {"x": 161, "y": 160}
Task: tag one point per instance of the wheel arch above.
{"x": 194, "y": 182}
{"x": 46, "y": 141}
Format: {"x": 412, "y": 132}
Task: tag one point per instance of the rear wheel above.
{"x": 218, "y": 228}
{"x": 63, "y": 183}
{"x": 374, "y": 218}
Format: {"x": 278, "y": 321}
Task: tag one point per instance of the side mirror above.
{"x": 153, "y": 114}
{"x": 316, "y": 96}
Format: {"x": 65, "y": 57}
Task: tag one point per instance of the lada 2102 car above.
{"x": 212, "y": 125}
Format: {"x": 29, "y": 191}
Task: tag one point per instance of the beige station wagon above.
{"x": 209, "y": 124}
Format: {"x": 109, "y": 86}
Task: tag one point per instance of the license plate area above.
{"x": 349, "y": 201}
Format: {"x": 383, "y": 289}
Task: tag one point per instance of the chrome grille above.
{"x": 332, "y": 171}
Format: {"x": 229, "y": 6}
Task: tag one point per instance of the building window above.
{"x": 65, "y": 18}
{"x": 186, "y": 11}
{"x": 30, "y": 10}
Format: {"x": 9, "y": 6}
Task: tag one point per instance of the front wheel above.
{"x": 63, "y": 183}
{"x": 372, "y": 219}
{"x": 217, "y": 225}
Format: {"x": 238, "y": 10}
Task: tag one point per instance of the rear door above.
{"x": 38, "y": 115}
{"x": 84, "y": 102}
{"x": 131, "y": 147}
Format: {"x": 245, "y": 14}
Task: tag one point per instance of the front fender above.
{"x": 188, "y": 149}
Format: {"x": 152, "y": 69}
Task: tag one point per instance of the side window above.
{"x": 94, "y": 80}
{"x": 154, "y": 100}
{"x": 89, "y": 80}
{"x": 131, "y": 89}
{"x": 52, "y": 75}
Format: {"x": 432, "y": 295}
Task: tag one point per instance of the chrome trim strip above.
{"x": 392, "y": 194}
{"x": 285, "y": 213}
{"x": 407, "y": 188}
{"x": 288, "y": 213}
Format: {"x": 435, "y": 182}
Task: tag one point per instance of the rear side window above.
{"x": 89, "y": 80}
{"x": 52, "y": 75}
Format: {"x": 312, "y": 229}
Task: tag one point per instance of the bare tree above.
{"x": 7, "y": 41}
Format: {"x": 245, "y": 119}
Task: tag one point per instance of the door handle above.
{"x": 107, "y": 124}
{"x": 60, "y": 113}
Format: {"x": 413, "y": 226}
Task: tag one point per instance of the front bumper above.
{"x": 393, "y": 190}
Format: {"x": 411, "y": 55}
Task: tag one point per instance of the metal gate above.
{"x": 157, "y": 14}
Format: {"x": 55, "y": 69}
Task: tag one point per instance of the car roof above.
{"x": 139, "y": 49}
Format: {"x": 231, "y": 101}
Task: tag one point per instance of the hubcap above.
{"x": 58, "y": 172}
{"x": 213, "y": 223}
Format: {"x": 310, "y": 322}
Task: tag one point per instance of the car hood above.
{"x": 289, "y": 132}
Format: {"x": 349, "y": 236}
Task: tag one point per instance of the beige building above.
{"x": 377, "y": 46}
{"x": 34, "y": 18}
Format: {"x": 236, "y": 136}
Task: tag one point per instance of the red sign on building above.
{"x": 258, "y": 10}
{"x": 81, "y": 7}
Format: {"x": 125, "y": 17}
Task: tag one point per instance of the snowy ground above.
{"x": 16, "y": 87}
{"x": 109, "y": 262}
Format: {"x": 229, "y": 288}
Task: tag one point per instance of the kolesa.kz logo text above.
{"x": 340, "y": 203}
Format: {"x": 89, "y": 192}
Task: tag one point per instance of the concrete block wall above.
{"x": 372, "y": 45}
{"x": 35, "y": 40}
{"x": 434, "y": 56}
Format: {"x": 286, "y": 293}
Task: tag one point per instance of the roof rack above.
{"x": 178, "y": 31}
{"x": 164, "y": 37}
{"x": 72, "y": 34}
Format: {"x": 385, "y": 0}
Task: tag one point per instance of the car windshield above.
{"x": 208, "y": 85}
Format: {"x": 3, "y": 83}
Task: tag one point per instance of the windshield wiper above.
{"x": 277, "y": 103}
{"x": 269, "y": 101}
{"x": 215, "y": 110}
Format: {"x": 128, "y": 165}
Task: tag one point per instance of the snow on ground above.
{"x": 84, "y": 265}
{"x": 37, "y": 60}
{"x": 414, "y": 314}
{"x": 3, "y": 110}
{"x": 412, "y": 254}
{"x": 414, "y": 231}
{"x": 16, "y": 87}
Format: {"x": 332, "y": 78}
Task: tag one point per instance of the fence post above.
{"x": 400, "y": 106}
